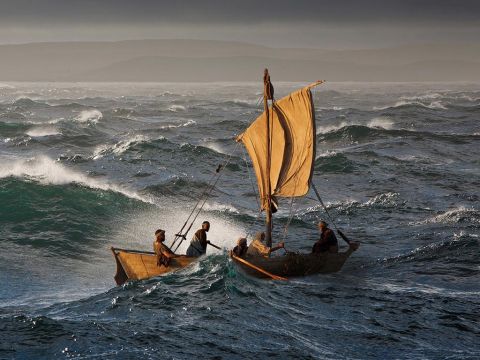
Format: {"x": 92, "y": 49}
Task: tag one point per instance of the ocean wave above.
{"x": 118, "y": 148}
{"x": 460, "y": 214}
{"x": 435, "y": 252}
{"x": 176, "y": 108}
{"x": 247, "y": 102}
{"x": 381, "y": 201}
{"x": 47, "y": 171}
{"x": 172, "y": 126}
{"x": 39, "y": 131}
{"x": 91, "y": 116}
{"x": 6, "y": 86}
{"x": 12, "y": 115}
{"x": 29, "y": 104}
{"x": 334, "y": 108}
{"x": 217, "y": 207}
{"x": 434, "y": 105}
{"x": 380, "y": 122}
{"x": 334, "y": 163}
{"x": 427, "y": 96}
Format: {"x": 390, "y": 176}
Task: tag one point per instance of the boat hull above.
{"x": 139, "y": 265}
{"x": 294, "y": 264}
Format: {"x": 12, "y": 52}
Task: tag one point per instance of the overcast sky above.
{"x": 279, "y": 23}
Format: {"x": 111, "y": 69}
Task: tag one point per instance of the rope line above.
{"x": 329, "y": 216}
{"x": 217, "y": 174}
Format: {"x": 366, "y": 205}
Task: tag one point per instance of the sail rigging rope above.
{"x": 218, "y": 174}
{"x": 347, "y": 240}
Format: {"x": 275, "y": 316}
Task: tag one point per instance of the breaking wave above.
{"x": 381, "y": 122}
{"x": 460, "y": 214}
{"x": 176, "y": 108}
{"x": 434, "y": 105}
{"x": 48, "y": 171}
{"x": 42, "y": 131}
{"x": 118, "y": 148}
{"x": 92, "y": 116}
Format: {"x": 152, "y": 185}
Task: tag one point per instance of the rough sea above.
{"x": 84, "y": 167}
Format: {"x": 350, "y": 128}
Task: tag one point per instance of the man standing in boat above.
{"x": 328, "y": 241}
{"x": 198, "y": 244}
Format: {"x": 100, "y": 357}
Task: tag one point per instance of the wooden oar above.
{"x": 265, "y": 272}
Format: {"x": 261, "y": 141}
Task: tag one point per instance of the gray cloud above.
{"x": 76, "y": 12}
{"x": 285, "y": 23}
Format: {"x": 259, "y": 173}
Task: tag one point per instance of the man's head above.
{"x": 322, "y": 225}
{"x": 160, "y": 235}
{"x": 206, "y": 226}
{"x": 242, "y": 242}
{"x": 260, "y": 236}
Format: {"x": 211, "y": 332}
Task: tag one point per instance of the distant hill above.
{"x": 201, "y": 60}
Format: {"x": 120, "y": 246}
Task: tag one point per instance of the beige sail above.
{"x": 292, "y": 134}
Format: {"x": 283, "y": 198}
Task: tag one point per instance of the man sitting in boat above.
{"x": 259, "y": 248}
{"x": 198, "y": 244}
{"x": 328, "y": 241}
{"x": 241, "y": 248}
{"x": 164, "y": 254}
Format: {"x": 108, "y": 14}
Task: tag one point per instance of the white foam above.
{"x": 381, "y": 122}
{"x": 40, "y": 131}
{"x": 138, "y": 231}
{"x": 92, "y": 116}
{"x": 215, "y": 147}
{"x": 328, "y": 153}
{"x": 433, "y": 105}
{"x": 453, "y": 216}
{"x": 246, "y": 102}
{"x": 6, "y": 86}
{"x": 428, "y": 96}
{"x": 48, "y": 171}
{"x": 220, "y": 207}
{"x": 188, "y": 123}
{"x": 175, "y": 108}
{"x": 118, "y": 148}
{"x": 329, "y": 128}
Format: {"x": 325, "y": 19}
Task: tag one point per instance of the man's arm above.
{"x": 280, "y": 245}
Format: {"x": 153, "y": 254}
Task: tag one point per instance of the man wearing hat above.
{"x": 327, "y": 242}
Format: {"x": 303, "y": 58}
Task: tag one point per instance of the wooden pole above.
{"x": 268, "y": 220}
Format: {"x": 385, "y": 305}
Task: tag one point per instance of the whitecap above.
{"x": 175, "y": 108}
{"x": 118, "y": 148}
{"x": 171, "y": 126}
{"x": 330, "y": 128}
{"x": 381, "y": 122}
{"x": 433, "y": 105}
{"x": 453, "y": 216}
{"x": 92, "y": 116}
{"x": 50, "y": 172}
{"x": 328, "y": 153}
{"x": 40, "y": 131}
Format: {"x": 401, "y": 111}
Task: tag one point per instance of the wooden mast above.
{"x": 268, "y": 94}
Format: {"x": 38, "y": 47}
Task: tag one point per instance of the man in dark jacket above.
{"x": 328, "y": 241}
{"x": 198, "y": 244}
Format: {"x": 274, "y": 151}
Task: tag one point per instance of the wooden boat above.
{"x": 281, "y": 144}
{"x": 293, "y": 264}
{"x": 139, "y": 265}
